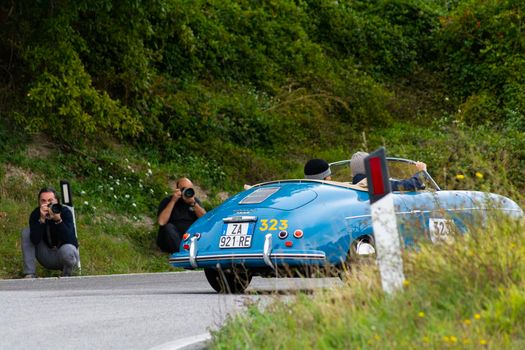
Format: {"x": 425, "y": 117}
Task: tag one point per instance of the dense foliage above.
{"x": 239, "y": 80}
{"x": 483, "y": 46}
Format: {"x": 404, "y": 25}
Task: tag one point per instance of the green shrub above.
{"x": 482, "y": 54}
{"x": 386, "y": 38}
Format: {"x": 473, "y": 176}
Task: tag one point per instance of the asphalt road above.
{"x": 140, "y": 311}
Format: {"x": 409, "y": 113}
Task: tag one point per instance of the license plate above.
{"x": 237, "y": 235}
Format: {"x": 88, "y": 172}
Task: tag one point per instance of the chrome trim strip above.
{"x": 267, "y": 250}
{"x": 193, "y": 252}
{"x": 231, "y": 256}
{"x": 430, "y": 211}
{"x": 358, "y": 216}
{"x": 183, "y": 259}
{"x": 299, "y": 256}
{"x": 240, "y": 219}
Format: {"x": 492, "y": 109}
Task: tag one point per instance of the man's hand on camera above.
{"x": 176, "y": 195}
{"x": 47, "y": 214}
{"x": 190, "y": 201}
{"x": 55, "y": 217}
{"x": 44, "y": 213}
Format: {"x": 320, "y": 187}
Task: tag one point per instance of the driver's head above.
{"x": 317, "y": 169}
{"x": 357, "y": 163}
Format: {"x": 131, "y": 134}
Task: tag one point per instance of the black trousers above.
{"x": 168, "y": 238}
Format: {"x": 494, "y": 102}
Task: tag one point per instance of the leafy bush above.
{"x": 386, "y": 38}
{"x": 482, "y": 54}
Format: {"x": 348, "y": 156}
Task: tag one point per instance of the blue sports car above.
{"x": 299, "y": 226}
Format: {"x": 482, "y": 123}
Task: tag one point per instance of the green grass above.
{"x": 108, "y": 243}
{"x": 116, "y": 194}
{"x": 467, "y": 295}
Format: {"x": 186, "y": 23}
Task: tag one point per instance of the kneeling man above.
{"x": 50, "y": 238}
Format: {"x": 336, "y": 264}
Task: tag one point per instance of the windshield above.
{"x": 398, "y": 169}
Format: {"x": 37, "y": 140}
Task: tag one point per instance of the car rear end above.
{"x": 272, "y": 226}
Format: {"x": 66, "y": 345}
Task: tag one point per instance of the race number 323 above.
{"x": 273, "y": 224}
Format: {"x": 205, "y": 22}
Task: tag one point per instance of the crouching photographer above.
{"x": 50, "y": 237}
{"x": 176, "y": 214}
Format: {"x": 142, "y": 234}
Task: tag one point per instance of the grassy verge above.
{"x": 109, "y": 243}
{"x": 115, "y": 192}
{"x": 468, "y": 295}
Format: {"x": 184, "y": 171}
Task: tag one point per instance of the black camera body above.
{"x": 188, "y": 192}
{"x": 55, "y": 208}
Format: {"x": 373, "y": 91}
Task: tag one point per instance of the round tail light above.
{"x": 283, "y": 234}
{"x": 185, "y": 236}
{"x": 298, "y": 234}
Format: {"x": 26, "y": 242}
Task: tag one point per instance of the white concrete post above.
{"x": 384, "y": 223}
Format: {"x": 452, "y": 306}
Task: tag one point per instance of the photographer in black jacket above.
{"x": 176, "y": 214}
{"x": 50, "y": 237}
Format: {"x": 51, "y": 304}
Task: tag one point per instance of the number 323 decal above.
{"x": 273, "y": 224}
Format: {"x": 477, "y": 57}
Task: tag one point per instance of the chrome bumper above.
{"x": 268, "y": 258}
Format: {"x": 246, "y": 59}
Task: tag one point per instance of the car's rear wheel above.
{"x": 228, "y": 281}
{"x": 361, "y": 253}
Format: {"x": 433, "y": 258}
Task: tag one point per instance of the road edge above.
{"x": 193, "y": 342}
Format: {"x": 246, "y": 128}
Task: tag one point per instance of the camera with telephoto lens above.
{"x": 55, "y": 208}
{"x": 188, "y": 192}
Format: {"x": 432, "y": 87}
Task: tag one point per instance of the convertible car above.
{"x": 287, "y": 227}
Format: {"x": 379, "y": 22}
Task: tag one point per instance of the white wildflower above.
{"x": 133, "y": 205}
{"x": 86, "y": 203}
